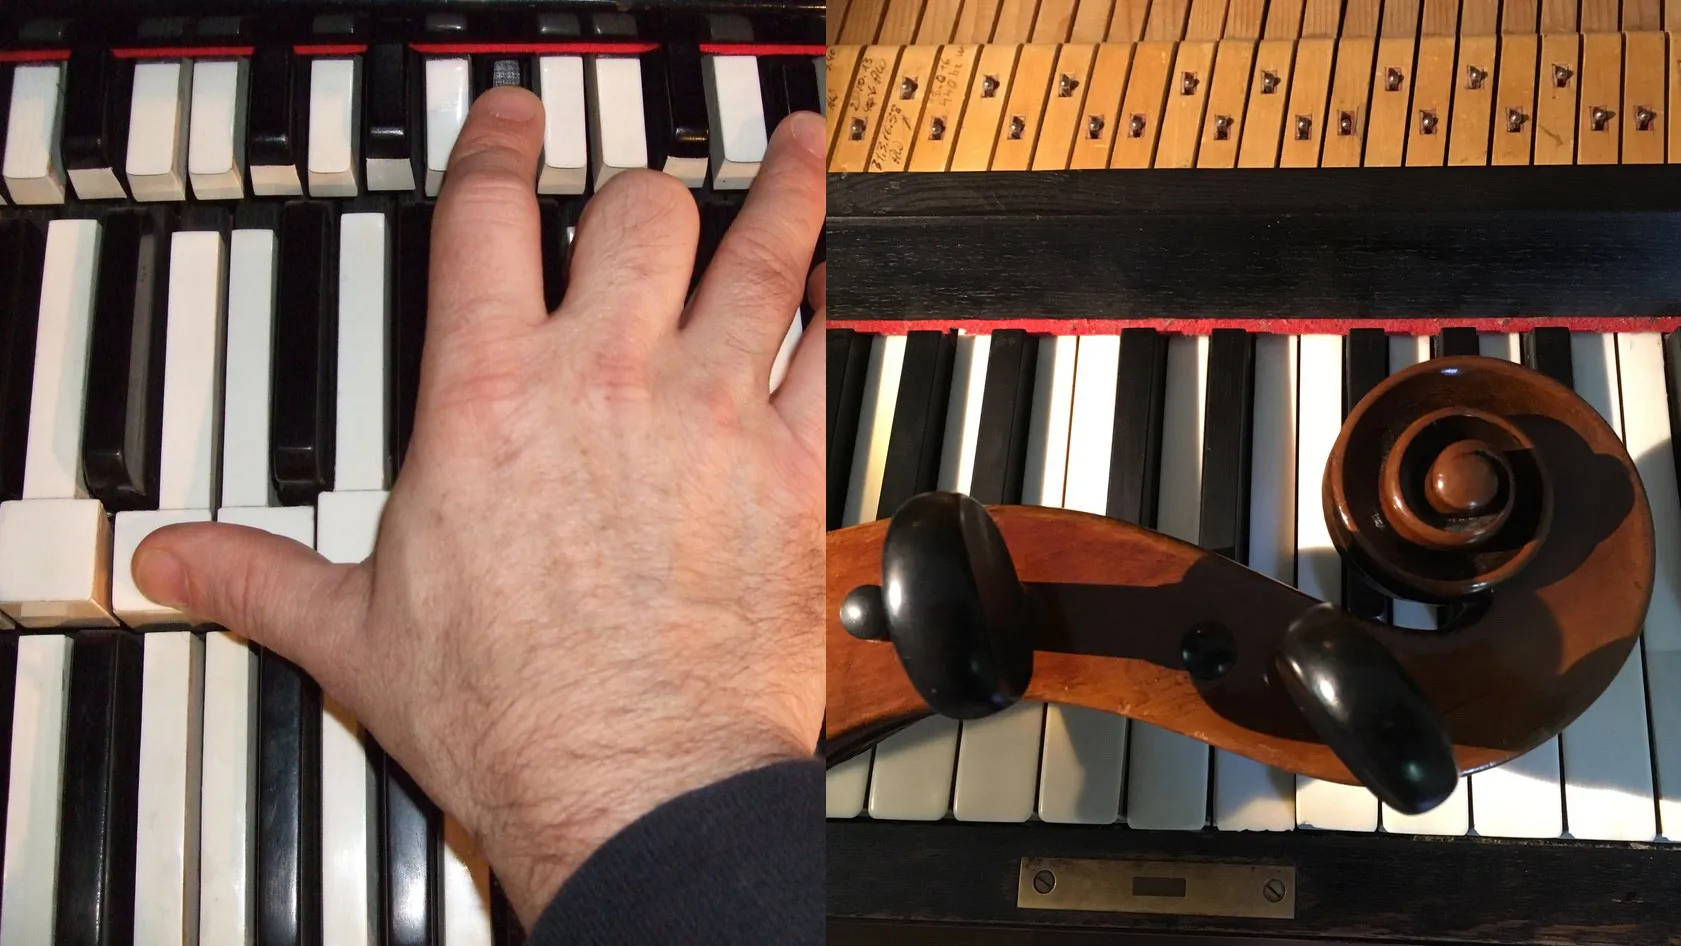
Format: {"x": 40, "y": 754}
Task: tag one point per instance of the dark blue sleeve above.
{"x": 739, "y": 861}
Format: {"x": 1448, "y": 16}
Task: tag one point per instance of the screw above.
{"x": 907, "y": 88}
{"x": 1269, "y": 82}
{"x": 1188, "y": 84}
{"x": 1135, "y": 127}
{"x": 1273, "y": 891}
{"x": 1474, "y": 77}
{"x": 989, "y": 87}
{"x": 1562, "y": 74}
{"x": 1045, "y": 882}
{"x": 1392, "y": 80}
{"x": 1066, "y": 85}
{"x": 1427, "y": 122}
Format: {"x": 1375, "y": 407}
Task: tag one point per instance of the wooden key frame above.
{"x": 1543, "y": 614}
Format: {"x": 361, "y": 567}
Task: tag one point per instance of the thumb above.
{"x": 277, "y": 591}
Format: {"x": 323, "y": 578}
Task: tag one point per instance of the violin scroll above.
{"x": 950, "y": 602}
{"x": 1433, "y": 490}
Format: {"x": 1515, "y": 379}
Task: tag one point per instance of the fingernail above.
{"x": 161, "y": 577}
{"x": 512, "y": 104}
{"x": 808, "y": 130}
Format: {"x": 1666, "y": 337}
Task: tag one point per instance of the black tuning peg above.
{"x": 952, "y": 606}
{"x": 1361, "y": 701}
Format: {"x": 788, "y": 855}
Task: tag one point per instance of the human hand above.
{"x": 597, "y": 584}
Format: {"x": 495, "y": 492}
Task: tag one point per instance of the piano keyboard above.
{"x": 1219, "y": 439}
{"x": 212, "y": 305}
{"x": 935, "y": 85}
{"x": 206, "y": 108}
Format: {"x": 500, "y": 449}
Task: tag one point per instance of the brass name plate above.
{"x": 1173, "y": 887}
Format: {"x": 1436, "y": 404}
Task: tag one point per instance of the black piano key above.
{"x": 493, "y": 69}
{"x": 97, "y": 92}
{"x": 408, "y": 325}
{"x": 1547, "y": 350}
{"x": 8, "y": 693}
{"x": 1459, "y": 340}
{"x": 288, "y": 837}
{"x": 1135, "y": 456}
{"x": 5, "y": 102}
{"x": 800, "y": 78}
{"x": 123, "y": 414}
{"x": 1365, "y": 365}
{"x": 276, "y": 117}
{"x": 773, "y": 90}
{"x": 22, "y": 258}
{"x": 556, "y": 251}
{"x": 690, "y": 128}
{"x": 505, "y": 928}
{"x": 386, "y": 103}
{"x": 1672, "y": 386}
{"x": 1006, "y": 410}
{"x": 305, "y": 379}
{"x": 412, "y": 894}
{"x": 98, "y": 811}
{"x": 1227, "y": 412}
{"x": 848, "y": 360}
{"x": 919, "y": 420}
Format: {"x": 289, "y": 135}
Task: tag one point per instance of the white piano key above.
{"x": 129, "y": 529}
{"x": 1321, "y": 804}
{"x": 1504, "y": 345}
{"x": 1520, "y": 799}
{"x": 245, "y": 395}
{"x": 998, "y": 756}
{"x": 1168, "y": 785}
{"x": 227, "y": 813}
{"x": 845, "y": 785}
{"x": 911, "y": 778}
{"x": 466, "y": 889}
{"x": 1523, "y": 797}
{"x": 346, "y": 526}
{"x": 32, "y": 168}
{"x": 1083, "y": 766}
{"x": 216, "y": 142}
{"x": 997, "y": 771}
{"x": 359, "y": 452}
{"x": 192, "y": 377}
{"x": 1249, "y": 795}
{"x": 167, "y": 837}
{"x": 52, "y": 460}
{"x": 227, "y": 830}
{"x": 785, "y": 352}
{"x": 28, "y": 891}
{"x": 736, "y": 111}
{"x": 335, "y": 107}
{"x": 192, "y": 370}
{"x": 1452, "y": 816}
{"x": 157, "y": 131}
{"x": 448, "y": 96}
{"x": 1648, "y": 433}
{"x": 565, "y": 165}
{"x": 617, "y": 138}
{"x": 1606, "y": 756}
{"x": 54, "y": 543}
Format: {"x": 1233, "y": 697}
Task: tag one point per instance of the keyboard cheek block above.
{"x": 1467, "y": 482}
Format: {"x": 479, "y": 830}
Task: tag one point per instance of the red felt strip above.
{"x": 1279, "y": 326}
{"x": 577, "y": 48}
{"x": 181, "y": 52}
{"x": 762, "y": 49}
{"x": 34, "y": 55}
{"x": 343, "y": 49}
